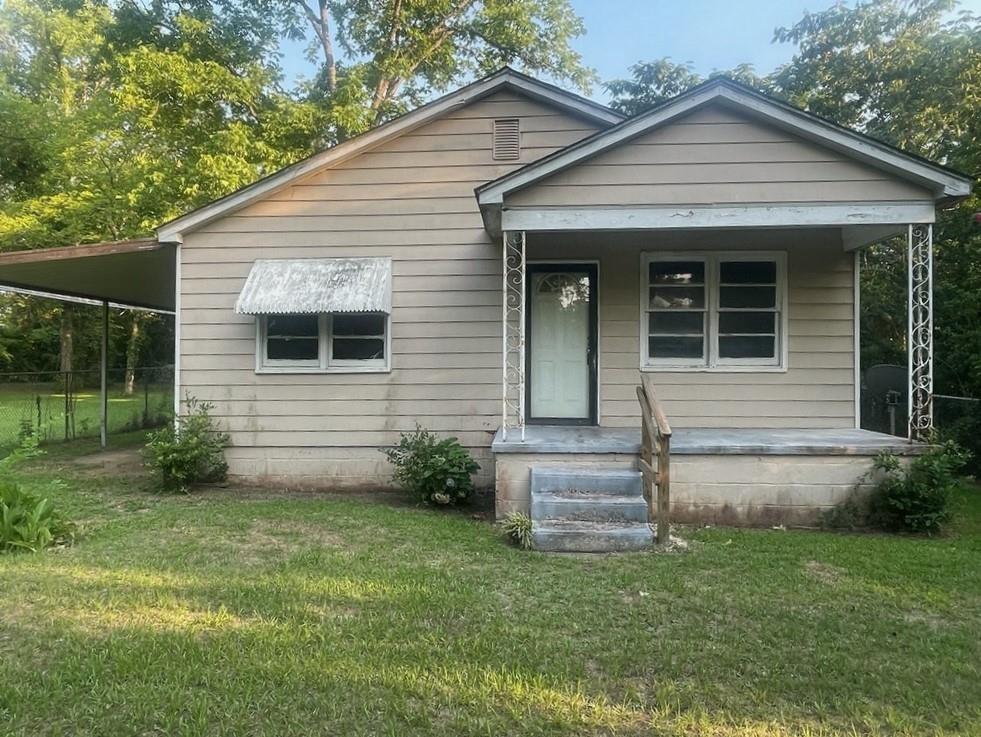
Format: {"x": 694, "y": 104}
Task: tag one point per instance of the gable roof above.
{"x": 946, "y": 183}
{"x": 505, "y": 78}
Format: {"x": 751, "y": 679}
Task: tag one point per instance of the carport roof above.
{"x": 133, "y": 273}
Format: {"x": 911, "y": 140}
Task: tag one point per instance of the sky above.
{"x": 711, "y": 34}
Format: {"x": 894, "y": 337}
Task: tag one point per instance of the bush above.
{"x": 193, "y": 452}
{"x": 916, "y": 498}
{"x": 517, "y": 527}
{"x": 966, "y": 432}
{"x": 28, "y": 522}
{"x": 436, "y": 471}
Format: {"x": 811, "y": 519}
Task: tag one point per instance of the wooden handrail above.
{"x": 655, "y": 458}
{"x": 663, "y": 427}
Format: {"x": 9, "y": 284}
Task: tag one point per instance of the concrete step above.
{"x": 591, "y": 537}
{"x": 606, "y": 481}
{"x": 587, "y": 507}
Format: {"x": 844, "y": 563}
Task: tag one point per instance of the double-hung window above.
{"x": 317, "y": 315}
{"x": 721, "y": 310}
{"x": 325, "y": 342}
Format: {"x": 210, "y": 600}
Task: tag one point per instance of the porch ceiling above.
{"x": 135, "y": 273}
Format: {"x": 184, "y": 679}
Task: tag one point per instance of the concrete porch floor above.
{"x": 705, "y": 441}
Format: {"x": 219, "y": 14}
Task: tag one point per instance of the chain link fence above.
{"x": 64, "y": 406}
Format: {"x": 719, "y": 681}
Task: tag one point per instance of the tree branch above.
{"x": 320, "y": 22}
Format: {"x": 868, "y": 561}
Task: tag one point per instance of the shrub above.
{"x": 517, "y": 527}
{"x": 916, "y": 498}
{"x": 436, "y": 471}
{"x": 28, "y": 522}
{"x": 192, "y": 452}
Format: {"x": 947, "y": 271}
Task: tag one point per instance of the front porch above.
{"x": 746, "y": 340}
{"x": 733, "y": 476}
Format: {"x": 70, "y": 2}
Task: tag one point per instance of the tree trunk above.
{"x": 66, "y": 351}
{"x": 132, "y": 353}
{"x": 67, "y": 338}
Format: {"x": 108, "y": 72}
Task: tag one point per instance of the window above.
{"x": 714, "y": 310}
{"x": 326, "y": 342}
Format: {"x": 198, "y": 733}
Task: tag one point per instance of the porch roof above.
{"x": 946, "y": 183}
{"x": 706, "y": 441}
{"x": 135, "y": 273}
{"x": 723, "y": 156}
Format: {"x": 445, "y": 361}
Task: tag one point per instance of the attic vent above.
{"x": 507, "y": 139}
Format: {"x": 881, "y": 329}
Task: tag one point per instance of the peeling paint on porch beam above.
{"x": 747, "y": 216}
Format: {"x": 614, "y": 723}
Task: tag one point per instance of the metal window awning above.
{"x": 316, "y": 285}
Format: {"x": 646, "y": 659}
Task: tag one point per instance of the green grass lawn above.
{"x": 232, "y": 612}
{"x": 19, "y": 405}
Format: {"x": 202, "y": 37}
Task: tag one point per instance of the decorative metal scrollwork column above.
{"x": 513, "y": 317}
{"x": 920, "y": 338}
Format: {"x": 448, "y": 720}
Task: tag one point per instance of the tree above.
{"x": 405, "y": 50}
{"x": 654, "y": 82}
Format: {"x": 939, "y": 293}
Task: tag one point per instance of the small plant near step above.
{"x": 437, "y": 471}
{"x": 192, "y": 452}
{"x": 517, "y": 527}
{"x": 916, "y": 498}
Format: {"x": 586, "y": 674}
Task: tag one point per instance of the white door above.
{"x": 559, "y": 343}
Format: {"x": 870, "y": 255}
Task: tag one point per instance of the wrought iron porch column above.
{"x": 920, "y": 330}
{"x": 513, "y": 331}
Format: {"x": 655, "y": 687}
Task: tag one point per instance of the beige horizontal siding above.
{"x": 716, "y": 156}
{"x": 816, "y": 390}
{"x": 410, "y": 199}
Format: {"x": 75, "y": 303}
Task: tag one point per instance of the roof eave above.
{"x": 173, "y": 231}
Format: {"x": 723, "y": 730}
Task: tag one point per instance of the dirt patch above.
{"x": 127, "y": 462}
{"x": 824, "y": 572}
{"x": 275, "y": 539}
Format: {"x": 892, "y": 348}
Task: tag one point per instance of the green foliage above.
{"x": 436, "y": 471}
{"x": 916, "y": 497}
{"x": 654, "y": 82}
{"x": 28, "y": 522}
{"x": 193, "y": 452}
{"x": 517, "y": 527}
{"x": 965, "y": 431}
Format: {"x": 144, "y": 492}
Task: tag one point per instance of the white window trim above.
{"x": 711, "y": 363}
{"x": 324, "y": 364}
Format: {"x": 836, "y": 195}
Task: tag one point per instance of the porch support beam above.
{"x": 747, "y": 216}
{"x": 920, "y": 330}
{"x": 513, "y": 331}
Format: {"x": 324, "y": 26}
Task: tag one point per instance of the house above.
{"x": 510, "y": 262}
